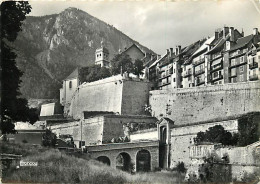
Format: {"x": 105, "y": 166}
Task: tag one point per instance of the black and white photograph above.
{"x": 130, "y": 91}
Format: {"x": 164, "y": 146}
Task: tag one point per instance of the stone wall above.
{"x": 103, "y": 95}
{"x": 149, "y": 134}
{"x": 90, "y": 129}
{"x": 134, "y": 96}
{"x": 99, "y": 129}
{"x": 188, "y": 105}
{"x": 182, "y": 139}
{"x": 114, "y": 125}
{"x": 118, "y": 94}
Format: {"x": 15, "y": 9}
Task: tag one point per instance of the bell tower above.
{"x": 101, "y": 56}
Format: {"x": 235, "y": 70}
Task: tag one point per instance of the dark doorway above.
{"x": 163, "y": 148}
{"x": 123, "y": 162}
{"x": 104, "y": 160}
{"x": 143, "y": 161}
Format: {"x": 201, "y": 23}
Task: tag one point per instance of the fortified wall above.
{"x": 182, "y": 138}
{"x": 99, "y": 129}
{"x": 117, "y": 94}
{"x": 189, "y": 105}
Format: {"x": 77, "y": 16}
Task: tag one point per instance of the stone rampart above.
{"x": 183, "y": 137}
{"x": 118, "y": 94}
{"x": 188, "y": 105}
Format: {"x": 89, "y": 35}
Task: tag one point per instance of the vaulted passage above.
{"x": 104, "y": 160}
{"x": 143, "y": 161}
{"x": 123, "y": 162}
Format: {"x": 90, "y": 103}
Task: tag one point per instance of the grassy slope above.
{"x": 56, "y": 167}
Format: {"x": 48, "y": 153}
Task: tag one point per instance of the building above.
{"x": 196, "y": 67}
{"x": 237, "y": 58}
{"x": 222, "y": 58}
{"x": 253, "y": 63}
{"x": 102, "y": 56}
{"x": 69, "y": 86}
{"x": 26, "y": 133}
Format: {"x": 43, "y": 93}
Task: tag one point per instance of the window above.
{"x": 173, "y": 79}
{"x": 97, "y": 55}
{"x": 233, "y": 62}
{"x": 242, "y": 59}
{"x": 220, "y": 82}
{"x": 233, "y": 71}
{"x": 241, "y": 68}
{"x": 70, "y": 84}
{"x": 215, "y": 74}
{"x": 233, "y": 80}
{"x": 241, "y": 78}
{"x": 189, "y": 78}
{"x": 174, "y": 71}
{"x": 81, "y": 144}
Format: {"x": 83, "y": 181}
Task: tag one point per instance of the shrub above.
{"x": 49, "y": 139}
{"x": 25, "y": 141}
{"x": 248, "y": 128}
{"x": 216, "y": 134}
{"x": 181, "y": 167}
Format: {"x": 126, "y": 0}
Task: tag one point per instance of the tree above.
{"x": 93, "y": 73}
{"x": 138, "y": 67}
{"x": 13, "y": 107}
{"x": 216, "y": 134}
{"x": 121, "y": 63}
{"x": 49, "y": 139}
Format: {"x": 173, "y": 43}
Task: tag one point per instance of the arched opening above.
{"x": 163, "y": 147}
{"x": 143, "y": 161}
{"x": 104, "y": 160}
{"x": 123, "y": 162}
{"x": 163, "y": 134}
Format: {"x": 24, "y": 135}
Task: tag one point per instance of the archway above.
{"x": 104, "y": 160}
{"x": 143, "y": 161}
{"x": 123, "y": 162}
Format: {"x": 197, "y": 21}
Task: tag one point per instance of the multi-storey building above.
{"x": 216, "y": 56}
{"x": 193, "y": 65}
{"x": 226, "y": 57}
{"x": 165, "y": 70}
{"x": 253, "y": 66}
{"x": 237, "y": 57}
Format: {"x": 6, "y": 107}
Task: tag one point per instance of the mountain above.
{"x": 50, "y": 47}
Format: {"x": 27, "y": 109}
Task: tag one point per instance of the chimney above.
{"x": 225, "y": 31}
{"x": 167, "y": 51}
{"x": 255, "y": 31}
{"x": 179, "y": 49}
{"x": 176, "y": 50}
{"x": 232, "y": 34}
{"x": 216, "y": 35}
{"x": 171, "y": 52}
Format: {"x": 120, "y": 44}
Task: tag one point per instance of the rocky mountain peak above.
{"x": 51, "y": 47}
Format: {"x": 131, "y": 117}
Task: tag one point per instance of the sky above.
{"x": 160, "y": 25}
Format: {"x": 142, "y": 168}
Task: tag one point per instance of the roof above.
{"x": 241, "y": 42}
{"x": 134, "y": 45}
{"x": 167, "y": 119}
{"x": 150, "y": 62}
{"x": 25, "y": 126}
{"x": 74, "y": 74}
{"x": 158, "y": 60}
{"x": 204, "y": 45}
{"x": 218, "y": 45}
